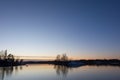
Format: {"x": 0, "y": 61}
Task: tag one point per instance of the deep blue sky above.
{"x": 83, "y": 28}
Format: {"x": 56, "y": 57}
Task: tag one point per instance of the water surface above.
{"x": 51, "y": 72}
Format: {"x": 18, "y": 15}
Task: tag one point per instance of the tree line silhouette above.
{"x": 9, "y": 59}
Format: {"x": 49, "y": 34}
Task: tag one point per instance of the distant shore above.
{"x": 77, "y": 63}
{"x": 69, "y": 63}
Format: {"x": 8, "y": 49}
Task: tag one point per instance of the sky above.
{"x": 80, "y": 28}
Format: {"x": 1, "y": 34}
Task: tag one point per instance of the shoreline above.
{"x": 78, "y": 63}
{"x": 69, "y": 63}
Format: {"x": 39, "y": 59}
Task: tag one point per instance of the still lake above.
{"x": 51, "y": 72}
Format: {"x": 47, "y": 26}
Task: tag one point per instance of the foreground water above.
{"x": 51, "y": 72}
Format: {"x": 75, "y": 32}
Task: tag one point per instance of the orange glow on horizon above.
{"x": 54, "y": 57}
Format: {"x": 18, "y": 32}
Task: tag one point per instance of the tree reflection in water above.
{"x": 62, "y": 70}
{"x": 7, "y": 71}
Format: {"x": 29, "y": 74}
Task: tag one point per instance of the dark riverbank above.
{"x": 10, "y": 62}
{"x": 63, "y": 60}
{"x": 77, "y": 63}
{"x": 69, "y": 63}
{"x": 9, "y": 59}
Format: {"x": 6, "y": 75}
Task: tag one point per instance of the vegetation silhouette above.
{"x": 9, "y": 59}
{"x": 63, "y": 60}
{"x": 62, "y": 57}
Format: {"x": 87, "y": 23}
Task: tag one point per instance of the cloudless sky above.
{"x": 82, "y": 28}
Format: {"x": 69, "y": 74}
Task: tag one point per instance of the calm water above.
{"x": 51, "y": 72}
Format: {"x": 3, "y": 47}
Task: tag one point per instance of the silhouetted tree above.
{"x": 58, "y": 58}
{"x": 21, "y": 61}
{"x": 10, "y": 56}
{"x": 8, "y": 59}
{"x": 62, "y": 58}
{"x": 5, "y": 55}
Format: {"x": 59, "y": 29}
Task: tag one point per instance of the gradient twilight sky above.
{"x": 82, "y": 28}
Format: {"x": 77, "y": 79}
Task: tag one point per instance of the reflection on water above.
{"x": 7, "y": 71}
{"x": 61, "y": 70}
{"x": 57, "y": 72}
